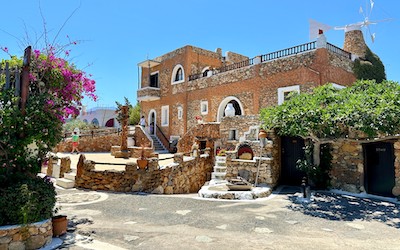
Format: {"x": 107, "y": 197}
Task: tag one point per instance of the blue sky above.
{"x": 117, "y": 35}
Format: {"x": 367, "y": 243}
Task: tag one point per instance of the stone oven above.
{"x": 244, "y": 152}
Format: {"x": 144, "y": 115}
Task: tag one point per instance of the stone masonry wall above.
{"x": 396, "y": 189}
{"x": 347, "y": 166}
{"x": 31, "y": 236}
{"x": 89, "y": 144}
{"x": 178, "y": 178}
{"x": 204, "y": 131}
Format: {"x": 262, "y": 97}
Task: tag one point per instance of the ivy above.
{"x": 370, "y": 68}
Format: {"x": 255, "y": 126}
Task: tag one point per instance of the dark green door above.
{"x": 292, "y": 149}
{"x": 379, "y": 168}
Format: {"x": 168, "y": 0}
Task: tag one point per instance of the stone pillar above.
{"x": 124, "y": 125}
{"x": 396, "y": 188}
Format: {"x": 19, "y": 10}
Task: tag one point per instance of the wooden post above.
{"x": 124, "y": 124}
{"x": 25, "y": 79}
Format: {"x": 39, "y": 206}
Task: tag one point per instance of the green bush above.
{"x": 32, "y": 199}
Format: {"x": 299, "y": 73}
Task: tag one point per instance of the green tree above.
{"x": 330, "y": 113}
{"x": 134, "y": 114}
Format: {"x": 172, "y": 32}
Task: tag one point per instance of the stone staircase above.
{"x": 219, "y": 169}
{"x": 158, "y": 146}
{"x": 68, "y": 181}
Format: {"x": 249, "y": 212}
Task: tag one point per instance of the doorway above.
{"x": 292, "y": 149}
{"x": 379, "y": 178}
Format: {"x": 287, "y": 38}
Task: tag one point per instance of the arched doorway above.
{"x": 110, "y": 123}
{"x": 236, "y": 104}
{"x": 152, "y": 122}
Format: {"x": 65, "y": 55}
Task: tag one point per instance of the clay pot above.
{"x": 60, "y": 223}
{"x": 142, "y": 163}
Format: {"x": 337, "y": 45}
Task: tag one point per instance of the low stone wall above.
{"x": 247, "y": 169}
{"x": 135, "y": 152}
{"x": 141, "y": 139}
{"x": 32, "y": 236}
{"x": 179, "y": 178}
{"x": 89, "y": 144}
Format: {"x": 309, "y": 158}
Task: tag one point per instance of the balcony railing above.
{"x": 276, "y": 55}
{"x": 288, "y": 52}
{"x": 338, "y": 50}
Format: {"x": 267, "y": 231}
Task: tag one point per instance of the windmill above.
{"x": 365, "y": 23}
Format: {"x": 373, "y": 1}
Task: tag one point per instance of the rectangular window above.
{"x": 154, "y": 80}
{"x": 164, "y": 116}
{"x": 283, "y": 93}
{"x": 233, "y": 134}
{"x": 204, "y": 107}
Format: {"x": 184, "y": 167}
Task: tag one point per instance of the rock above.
{"x": 35, "y": 242}
{"x": 158, "y": 190}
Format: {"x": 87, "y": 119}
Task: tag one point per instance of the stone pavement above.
{"x": 107, "y": 220}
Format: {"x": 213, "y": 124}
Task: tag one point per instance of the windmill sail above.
{"x": 315, "y": 28}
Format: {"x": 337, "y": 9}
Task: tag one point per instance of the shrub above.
{"x": 30, "y": 200}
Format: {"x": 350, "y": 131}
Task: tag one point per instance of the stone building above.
{"x": 191, "y": 85}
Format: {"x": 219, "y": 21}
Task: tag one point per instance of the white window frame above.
{"x": 204, "y": 107}
{"x": 180, "y": 113}
{"x": 282, "y": 91}
{"x": 165, "y": 116}
{"x": 209, "y": 72}
{"x": 178, "y": 66}
{"x": 338, "y": 86}
{"x": 230, "y": 133}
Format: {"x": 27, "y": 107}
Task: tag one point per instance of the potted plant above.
{"x": 142, "y": 160}
{"x": 60, "y": 223}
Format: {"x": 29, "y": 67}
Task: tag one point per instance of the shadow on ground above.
{"x": 348, "y": 208}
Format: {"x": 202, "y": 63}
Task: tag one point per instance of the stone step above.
{"x": 219, "y": 169}
{"x": 219, "y": 176}
{"x": 220, "y": 158}
{"x": 70, "y": 176}
{"x": 65, "y": 183}
{"x": 220, "y": 163}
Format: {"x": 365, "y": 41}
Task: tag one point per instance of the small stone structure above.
{"x": 31, "y": 236}
{"x": 183, "y": 176}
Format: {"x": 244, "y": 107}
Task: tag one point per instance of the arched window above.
{"x": 95, "y": 122}
{"x": 178, "y": 74}
{"x": 238, "y": 106}
{"x": 205, "y": 72}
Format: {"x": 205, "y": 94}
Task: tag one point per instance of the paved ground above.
{"x": 106, "y": 220}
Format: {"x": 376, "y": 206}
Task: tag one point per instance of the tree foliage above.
{"x": 329, "y": 112}
{"x": 370, "y": 68}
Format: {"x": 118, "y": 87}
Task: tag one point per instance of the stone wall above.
{"x": 347, "y": 166}
{"x": 268, "y": 168}
{"x": 178, "y": 178}
{"x": 31, "y": 236}
{"x": 141, "y": 139}
{"x": 90, "y": 144}
{"x": 396, "y": 189}
{"x": 205, "y": 131}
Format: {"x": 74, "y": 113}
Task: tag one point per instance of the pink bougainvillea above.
{"x": 66, "y": 84}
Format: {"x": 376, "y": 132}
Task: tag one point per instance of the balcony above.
{"x": 147, "y": 94}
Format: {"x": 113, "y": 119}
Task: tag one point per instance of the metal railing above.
{"x": 338, "y": 50}
{"x": 289, "y": 51}
{"x": 275, "y": 55}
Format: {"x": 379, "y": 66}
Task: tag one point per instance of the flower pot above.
{"x": 60, "y": 223}
{"x": 142, "y": 163}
